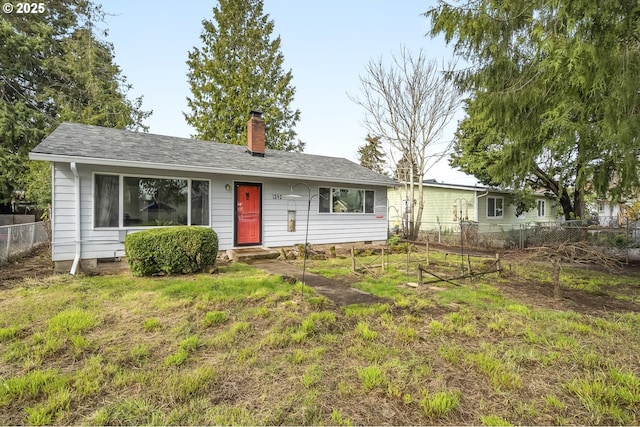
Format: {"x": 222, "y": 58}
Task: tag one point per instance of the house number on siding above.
{"x": 276, "y": 196}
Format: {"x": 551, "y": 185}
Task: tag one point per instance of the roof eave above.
{"x": 455, "y": 187}
{"x": 190, "y": 168}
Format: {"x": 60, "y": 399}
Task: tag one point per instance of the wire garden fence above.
{"x": 616, "y": 237}
{"x": 20, "y": 239}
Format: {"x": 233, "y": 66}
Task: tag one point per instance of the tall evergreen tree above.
{"x": 239, "y": 69}
{"x": 96, "y": 91}
{"x": 371, "y": 154}
{"x": 403, "y": 169}
{"x": 25, "y": 113}
{"x": 554, "y": 99}
{"x": 55, "y": 68}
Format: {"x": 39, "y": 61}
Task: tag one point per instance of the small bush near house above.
{"x": 171, "y": 250}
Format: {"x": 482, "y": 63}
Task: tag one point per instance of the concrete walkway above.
{"x": 336, "y": 291}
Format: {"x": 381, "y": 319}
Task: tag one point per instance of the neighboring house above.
{"x": 611, "y": 214}
{"x": 109, "y": 182}
{"x": 445, "y": 205}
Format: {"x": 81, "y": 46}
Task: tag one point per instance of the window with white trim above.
{"x": 601, "y": 206}
{"x": 133, "y": 201}
{"x": 346, "y": 200}
{"x": 106, "y": 201}
{"x": 541, "y": 208}
{"x": 495, "y": 207}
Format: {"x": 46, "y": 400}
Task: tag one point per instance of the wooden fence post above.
{"x": 419, "y": 274}
{"x": 382, "y": 256}
{"x": 427, "y": 252}
{"x": 498, "y": 268}
{"x": 353, "y": 260}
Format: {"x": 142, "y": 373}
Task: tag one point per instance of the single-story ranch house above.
{"x": 110, "y": 182}
{"x": 445, "y": 205}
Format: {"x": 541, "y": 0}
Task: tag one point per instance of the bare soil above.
{"x": 35, "y": 265}
{"x": 339, "y": 292}
{"x": 538, "y": 294}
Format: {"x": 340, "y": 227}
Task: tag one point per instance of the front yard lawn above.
{"x": 241, "y": 347}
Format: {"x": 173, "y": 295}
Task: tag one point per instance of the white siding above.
{"x": 222, "y": 210}
{"x": 63, "y": 213}
{"x": 323, "y": 227}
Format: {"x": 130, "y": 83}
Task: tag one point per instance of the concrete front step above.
{"x": 250, "y": 254}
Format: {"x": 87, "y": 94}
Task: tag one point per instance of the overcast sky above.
{"x": 326, "y": 44}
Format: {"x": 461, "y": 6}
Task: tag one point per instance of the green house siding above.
{"x": 394, "y": 198}
{"x": 509, "y": 219}
{"x": 444, "y": 207}
{"x": 506, "y": 221}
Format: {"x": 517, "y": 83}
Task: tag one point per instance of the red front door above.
{"x": 248, "y": 214}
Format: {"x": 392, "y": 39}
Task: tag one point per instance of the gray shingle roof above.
{"x": 107, "y": 146}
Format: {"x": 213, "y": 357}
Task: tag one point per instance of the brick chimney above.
{"x": 255, "y": 134}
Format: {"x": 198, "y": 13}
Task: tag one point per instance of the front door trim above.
{"x": 236, "y": 186}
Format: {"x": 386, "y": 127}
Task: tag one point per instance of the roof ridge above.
{"x": 190, "y": 139}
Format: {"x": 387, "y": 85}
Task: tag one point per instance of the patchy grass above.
{"x": 440, "y": 404}
{"x": 241, "y": 348}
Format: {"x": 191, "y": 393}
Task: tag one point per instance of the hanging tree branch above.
{"x": 579, "y": 253}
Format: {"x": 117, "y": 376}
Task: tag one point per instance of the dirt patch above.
{"x": 35, "y": 265}
{"x": 537, "y": 294}
{"x": 337, "y": 291}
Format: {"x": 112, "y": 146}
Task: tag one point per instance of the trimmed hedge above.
{"x": 171, "y": 250}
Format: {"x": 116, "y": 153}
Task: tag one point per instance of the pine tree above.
{"x": 553, "y": 95}
{"x": 55, "y": 68}
{"x": 403, "y": 169}
{"x": 239, "y": 69}
{"x": 96, "y": 91}
{"x": 371, "y": 154}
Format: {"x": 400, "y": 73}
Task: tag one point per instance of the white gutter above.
{"x": 76, "y": 259}
{"x": 460, "y": 187}
{"x": 475, "y": 207}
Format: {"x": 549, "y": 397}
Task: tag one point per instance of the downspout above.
{"x": 76, "y": 259}
{"x": 475, "y": 207}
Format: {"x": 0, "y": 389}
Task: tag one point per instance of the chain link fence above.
{"x": 20, "y": 239}
{"x": 616, "y": 237}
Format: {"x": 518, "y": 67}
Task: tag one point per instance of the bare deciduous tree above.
{"x": 409, "y": 104}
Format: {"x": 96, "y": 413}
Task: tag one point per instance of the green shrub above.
{"x": 171, "y": 250}
{"x": 394, "y": 240}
